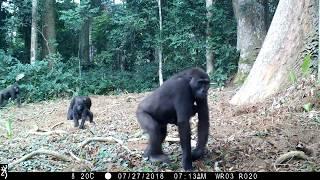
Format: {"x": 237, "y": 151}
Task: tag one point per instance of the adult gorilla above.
{"x": 175, "y": 102}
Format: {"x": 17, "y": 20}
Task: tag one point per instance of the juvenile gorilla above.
{"x": 80, "y": 109}
{"x": 12, "y": 92}
{"x": 174, "y": 102}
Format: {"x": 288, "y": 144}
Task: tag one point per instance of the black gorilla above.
{"x": 80, "y": 109}
{"x": 12, "y": 92}
{"x": 174, "y": 102}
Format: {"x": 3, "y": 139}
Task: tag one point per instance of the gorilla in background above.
{"x": 80, "y": 109}
{"x": 12, "y": 92}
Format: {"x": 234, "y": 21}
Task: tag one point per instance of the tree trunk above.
{"x": 251, "y": 31}
{"x": 34, "y": 26}
{"x": 49, "y": 28}
{"x": 266, "y": 14}
{"x": 3, "y": 32}
{"x": 91, "y": 47}
{"x": 27, "y": 43}
{"x": 319, "y": 41}
{"x": 160, "y": 44}
{"x": 84, "y": 44}
{"x": 209, "y": 51}
{"x": 279, "y": 55}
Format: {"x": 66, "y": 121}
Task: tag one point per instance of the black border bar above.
{"x": 160, "y": 175}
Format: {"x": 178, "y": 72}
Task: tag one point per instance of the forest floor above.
{"x": 247, "y": 138}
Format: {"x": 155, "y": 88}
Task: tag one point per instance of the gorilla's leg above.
{"x": 69, "y": 115}
{"x": 86, "y": 114}
{"x": 163, "y": 133}
{"x": 76, "y": 118}
{"x": 82, "y": 123}
{"x": 90, "y": 116}
{"x": 157, "y": 134}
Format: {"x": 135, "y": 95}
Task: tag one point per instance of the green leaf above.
{"x": 307, "y": 107}
{"x": 292, "y": 77}
{"x": 9, "y": 128}
{"x": 305, "y": 67}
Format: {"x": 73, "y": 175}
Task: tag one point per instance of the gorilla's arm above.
{"x": 203, "y": 129}
{"x": 70, "y": 110}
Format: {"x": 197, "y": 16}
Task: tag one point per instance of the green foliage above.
{"x": 74, "y": 18}
{"x": 41, "y": 83}
{"x": 9, "y": 127}
{"x": 125, "y": 40}
{"x": 99, "y": 33}
{"x": 292, "y": 77}
{"x": 305, "y": 69}
{"x": 223, "y": 42}
{"x": 184, "y": 40}
{"x": 306, "y": 65}
{"x": 226, "y": 64}
{"x": 307, "y": 107}
{"x": 64, "y": 33}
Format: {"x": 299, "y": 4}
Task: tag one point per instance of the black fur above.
{"x": 174, "y": 102}
{"x": 80, "y": 109}
{"x": 12, "y": 92}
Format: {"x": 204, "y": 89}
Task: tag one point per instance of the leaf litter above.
{"x": 245, "y": 138}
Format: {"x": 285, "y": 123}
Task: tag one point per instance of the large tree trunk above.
{"x": 49, "y": 28}
{"x": 34, "y": 26}
{"x": 27, "y": 43}
{"x": 3, "y": 32}
{"x": 160, "y": 44}
{"x": 84, "y": 44}
{"x": 91, "y": 47}
{"x": 209, "y": 51}
{"x": 319, "y": 41}
{"x": 251, "y": 31}
{"x": 279, "y": 55}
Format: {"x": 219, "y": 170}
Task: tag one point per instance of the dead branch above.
{"x": 56, "y": 125}
{"x": 46, "y": 133}
{"x": 108, "y": 139}
{"x": 52, "y": 110}
{"x": 36, "y": 129}
{"x": 39, "y": 152}
{"x": 136, "y": 139}
{"x": 290, "y": 155}
{"x": 91, "y": 132}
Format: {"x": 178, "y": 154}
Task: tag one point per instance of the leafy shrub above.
{"x": 39, "y": 82}
{"x": 42, "y": 83}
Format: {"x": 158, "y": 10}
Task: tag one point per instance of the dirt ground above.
{"x": 247, "y": 138}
